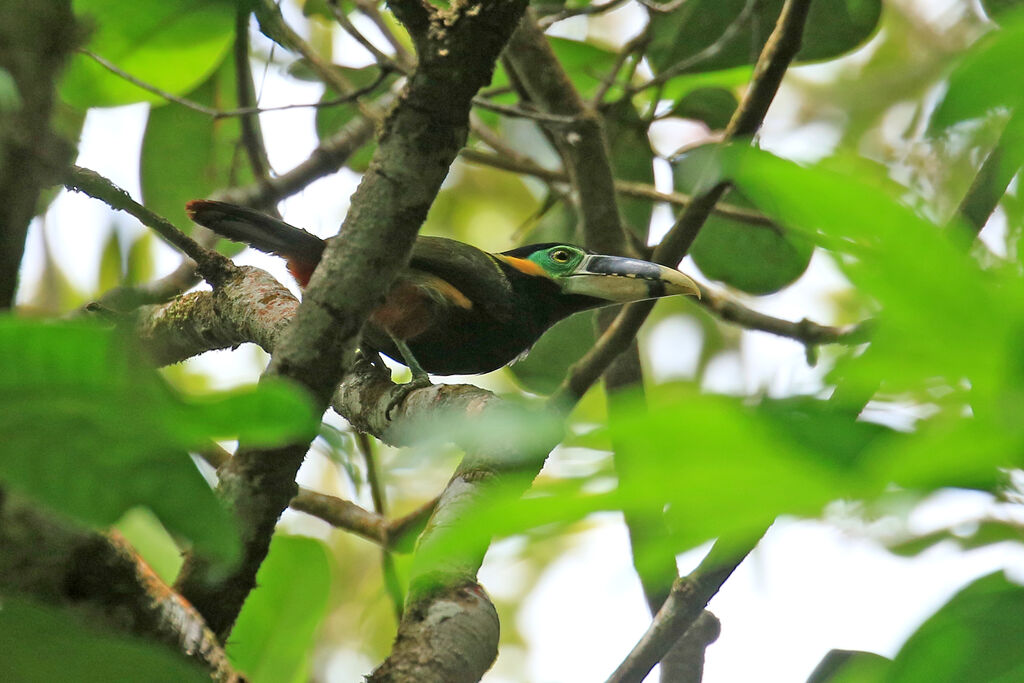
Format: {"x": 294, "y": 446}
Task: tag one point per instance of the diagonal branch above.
{"x": 213, "y": 266}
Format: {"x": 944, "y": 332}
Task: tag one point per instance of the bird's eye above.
{"x": 561, "y": 255}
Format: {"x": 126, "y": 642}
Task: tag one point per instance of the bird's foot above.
{"x": 403, "y": 390}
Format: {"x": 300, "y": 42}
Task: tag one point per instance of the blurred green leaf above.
{"x": 111, "y": 267}
{"x": 171, "y": 44}
{"x": 833, "y": 28}
{"x": 632, "y": 159}
{"x": 713, "y": 106}
{"x": 935, "y": 303}
{"x": 331, "y": 119}
{"x": 995, "y": 9}
{"x": 976, "y": 636}
{"x": 92, "y": 432}
{"x": 140, "y": 266}
{"x": 850, "y": 666}
{"x": 986, "y": 77}
{"x": 275, "y": 635}
{"x": 757, "y": 259}
{"x": 586, "y": 64}
{"x": 721, "y": 468}
{"x": 985, "y": 533}
{"x": 187, "y": 155}
{"x": 150, "y": 539}
{"x": 544, "y": 367}
{"x": 42, "y": 644}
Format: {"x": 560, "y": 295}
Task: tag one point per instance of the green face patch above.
{"x": 559, "y": 260}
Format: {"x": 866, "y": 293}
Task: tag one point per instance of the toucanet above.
{"x": 456, "y": 309}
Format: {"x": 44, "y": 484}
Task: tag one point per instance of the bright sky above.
{"x": 809, "y": 586}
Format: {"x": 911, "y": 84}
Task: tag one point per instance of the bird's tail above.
{"x": 302, "y": 249}
{"x": 256, "y": 229}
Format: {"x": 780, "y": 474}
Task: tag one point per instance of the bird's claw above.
{"x": 403, "y": 390}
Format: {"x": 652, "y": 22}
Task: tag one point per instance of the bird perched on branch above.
{"x": 456, "y": 309}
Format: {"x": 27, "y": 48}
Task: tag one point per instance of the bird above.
{"x": 456, "y": 309}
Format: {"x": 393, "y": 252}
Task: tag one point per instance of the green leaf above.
{"x": 833, "y": 27}
{"x": 757, "y": 259}
{"x": 42, "y": 644}
{"x": 986, "y": 77}
{"x": 331, "y": 119}
{"x": 150, "y": 539}
{"x": 976, "y": 636}
{"x": 850, "y": 666}
{"x": 275, "y": 635}
{"x": 111, "y": 267}
{"x": 996, "y": 9}
{"x": 171, "y": 44}
{"x": 632, "y": 159}
{"x": 187, "y": 155}
{"x": 905, "y": 264}
{"x": 92, "y": 432}
{"x": 547, "y": 363}
{"x": 586, "y": 64}
{"x": 713, "y": 106}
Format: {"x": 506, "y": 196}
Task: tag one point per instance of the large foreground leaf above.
{"x": 90, "y": 431}
{"x": 171, "y": 44}
{"x": 275, "y": 634}
{"x": 41, "y": 644}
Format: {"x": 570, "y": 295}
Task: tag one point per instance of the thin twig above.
{"x": 384, "y": 60}
{"x": 685, "y": 604}
{"x": 519, "y": 112}
{"x": 587, "y": 10}
{"x": 402, "y": 55}
{"x": 343, "y": 514}
{"x": 635, "y": 45}
{"x": 391, "y": 582}
{"x": 277, "y": 29}
{"x": 213, "y": 266}
{"x": 694, "y": 59}
{"x": 349, "y": 96}
{"x": 252, "y": 134}
{"x": 525, "y": 165}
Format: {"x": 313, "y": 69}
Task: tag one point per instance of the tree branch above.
{"x": 626, "y": 188}
{"x": 213, "y": 266}
{"x": 420, "y": 139}
{"x": 35, "y": 41}
{"x": 60, "y": 564}
{"x": 684, "y": 605}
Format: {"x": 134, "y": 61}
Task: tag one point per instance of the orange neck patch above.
{"x": 523, "y": 265}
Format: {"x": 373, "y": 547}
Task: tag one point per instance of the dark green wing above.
{"x": 472, "y": 271}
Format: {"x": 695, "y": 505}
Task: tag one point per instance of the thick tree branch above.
{"x": 35, "y": 41}
{"x": 60, "y": 564}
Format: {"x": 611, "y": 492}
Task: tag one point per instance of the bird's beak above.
{"x": 616, "y": 278}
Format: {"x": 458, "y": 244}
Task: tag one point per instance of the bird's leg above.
{"x": 419, "y": 379}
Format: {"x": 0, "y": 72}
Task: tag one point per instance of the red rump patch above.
{"x": 301, "y": 271}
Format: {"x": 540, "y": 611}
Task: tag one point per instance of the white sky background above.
{"x": 809, "y": 587}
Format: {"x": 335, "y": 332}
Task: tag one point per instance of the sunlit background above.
{"x": 570, "y": 604}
